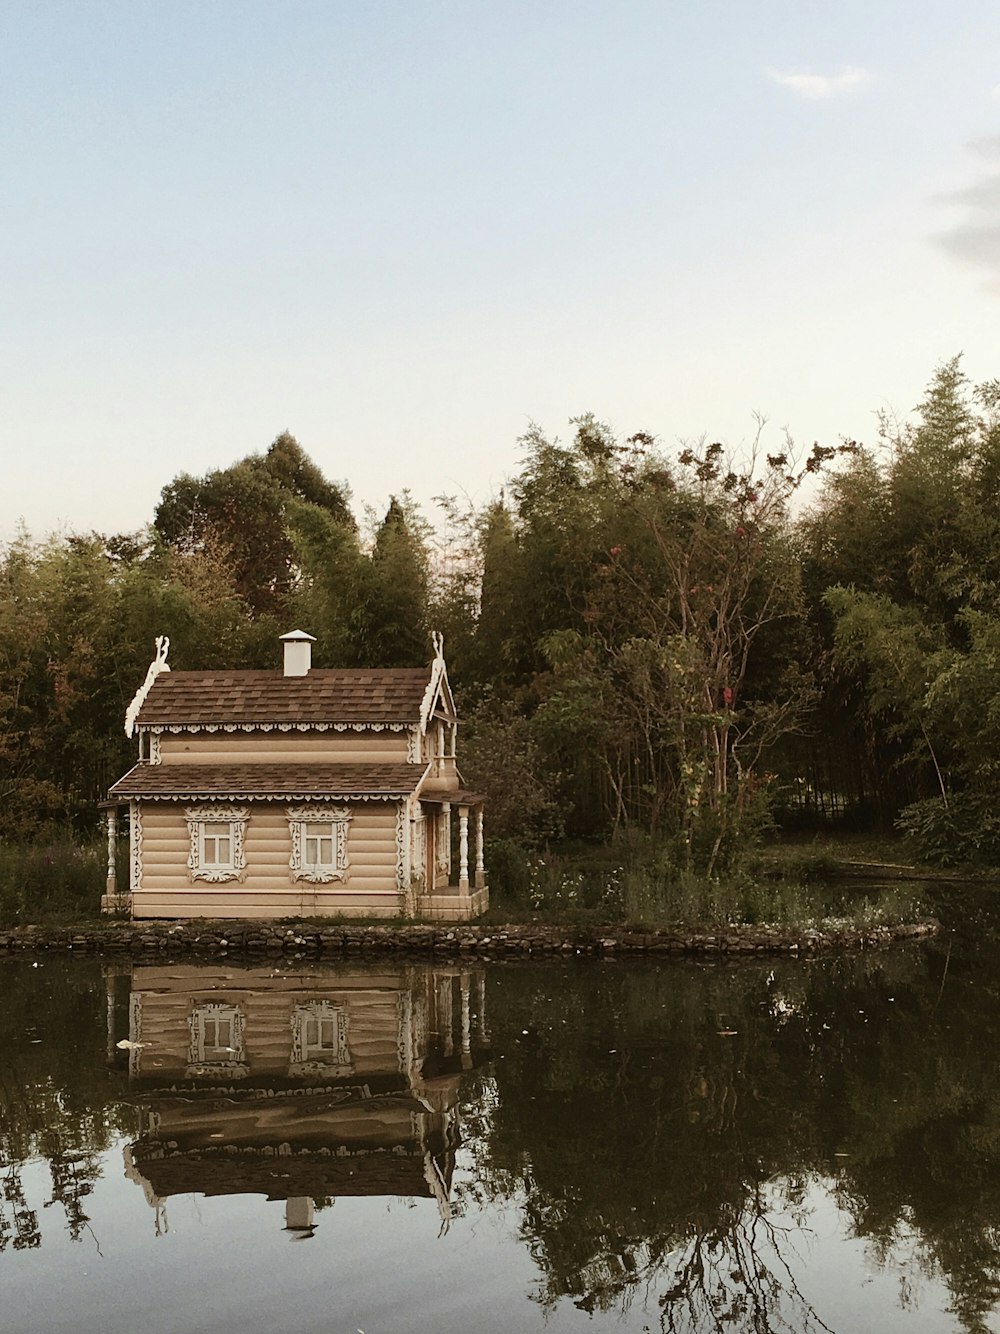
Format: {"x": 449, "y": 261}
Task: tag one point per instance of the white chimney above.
{"x": 298, "y": 652}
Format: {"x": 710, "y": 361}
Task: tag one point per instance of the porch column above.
{"x": 481, "y": 1007}
{"x": 446, "y": 1014}
{"x": 463, "y": 983}
{"x": 109, "y": 994}
{"x": 463, "y": 847}
{"x": 112, "y": 885}
{"x": 445, "y": 846}
{"x": 480, "y": 865}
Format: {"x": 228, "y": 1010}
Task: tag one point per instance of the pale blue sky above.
{"x": 403, "y": 231}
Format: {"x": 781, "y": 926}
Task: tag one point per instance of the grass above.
{"x": 643, "y": 889}
{"x": 55, "y": 880}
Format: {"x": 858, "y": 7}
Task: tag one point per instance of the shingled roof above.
{"x": 341, "y": 695}
{"x": 305, "y": 782}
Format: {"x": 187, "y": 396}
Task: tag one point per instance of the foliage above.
{"x": 244, "y": 512}
{"x": 57, "y": 879}
{"x": 961, "y": 831}
{"x": 502, "y": 759}
{"x": 646, "y": 642}
{"x": 916, "y": 630}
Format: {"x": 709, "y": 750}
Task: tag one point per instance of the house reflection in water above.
{"x": 299, "y": 1086}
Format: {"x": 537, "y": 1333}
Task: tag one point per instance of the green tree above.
{"x": 244, "y": 512}
{"x": 394, "y": 592}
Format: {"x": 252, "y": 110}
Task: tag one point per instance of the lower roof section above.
{"x": 269, "y": 782}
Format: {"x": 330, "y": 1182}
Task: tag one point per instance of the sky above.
{"x": 405, "y": 230}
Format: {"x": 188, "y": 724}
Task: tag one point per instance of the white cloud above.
{"x": 819, "y": 87}
{"x": 975, "y": 236}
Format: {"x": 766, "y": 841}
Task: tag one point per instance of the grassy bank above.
{"x": 53, "y": 880}
{"x": 640, "y": 886}
{"x": 794, "y": 886}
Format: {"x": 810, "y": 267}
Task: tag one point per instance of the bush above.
{"x": 965, "y": 830}
{"x": 509, "y": 872}
{"x": 52, "y": 879}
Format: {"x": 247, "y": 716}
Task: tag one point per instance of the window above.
{"x": 216, "y": 1040}
{"x": 217, "y": 834}
{"x": 319, "y": 1040}
{"x": 319, "y": 842}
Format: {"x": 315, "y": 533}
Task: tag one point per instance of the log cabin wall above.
{"x": 266, "y": 888}
{"x": 165, "y": 1001}
{"x": 332, "y": 747}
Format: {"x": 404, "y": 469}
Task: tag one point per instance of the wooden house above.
{"x": 298, "y": 1085}
{"x": 296, "y": 793}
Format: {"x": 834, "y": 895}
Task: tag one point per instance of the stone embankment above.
{"x": 204, "y": 938}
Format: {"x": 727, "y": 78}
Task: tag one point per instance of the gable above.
{"x": 437, "y": 700}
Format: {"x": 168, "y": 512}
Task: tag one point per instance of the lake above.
{"x": 576, "y": 1145}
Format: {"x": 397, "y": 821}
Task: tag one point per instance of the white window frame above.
{"x": 318, "y": 821}
{"x": 205, "y": 1059}
{"x": 207, "y": 823}
{"x": 331, "y": 1058}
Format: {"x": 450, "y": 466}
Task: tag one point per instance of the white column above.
{"x": 480, "y": 865}
{"x": 112, "y": 886}
{"x": 481, "y": 1007}
{"x": 463, "y": 983}
{"x": 446, "y": 837}
{"x": 463, "y": 847}
{"x": 109, "y": 995}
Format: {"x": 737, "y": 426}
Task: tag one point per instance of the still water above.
{"x": 385, "y": 1148}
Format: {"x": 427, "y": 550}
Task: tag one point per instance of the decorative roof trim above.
{"x": 276, "y": 727}
{"x": 281, "y": 797}
{"x": 158, "y": 665}
{"x": 438, "y": 679}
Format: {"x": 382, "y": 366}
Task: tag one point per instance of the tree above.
{"x": 394, "y": 593}
{"x": 245, "y": 512}
{"x": 919, "y": 641}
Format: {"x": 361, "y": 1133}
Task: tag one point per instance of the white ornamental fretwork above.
{"x": 206, "y": 819}
{"x": 402, "y": 861}
{"x": 135, "y": 844}
{"x": 158, "y": 665}
{"x": 417, "y": 873}
{"x": 319, "y": 1041}
{"x": 444, "y": 839}
{"x": 318, "y": 821}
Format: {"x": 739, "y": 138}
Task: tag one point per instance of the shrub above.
{"x": 967, "y": 829}
{"x": 54, "y": 878}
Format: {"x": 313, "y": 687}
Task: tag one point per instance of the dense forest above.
{"x": 682, "y": 647}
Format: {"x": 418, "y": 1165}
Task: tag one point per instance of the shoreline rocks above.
{"x": 205, "y": 938}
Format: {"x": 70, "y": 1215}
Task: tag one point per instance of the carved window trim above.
{"x": 206, "y": 1020}
{"x": 318, "y": 821}
{"x": 201, "y": 823}
{"x": 319, "y": 1040}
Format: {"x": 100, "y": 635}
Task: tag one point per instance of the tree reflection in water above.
{"x": 653, "y": 1120}
{"x": 668, "y": 1133}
